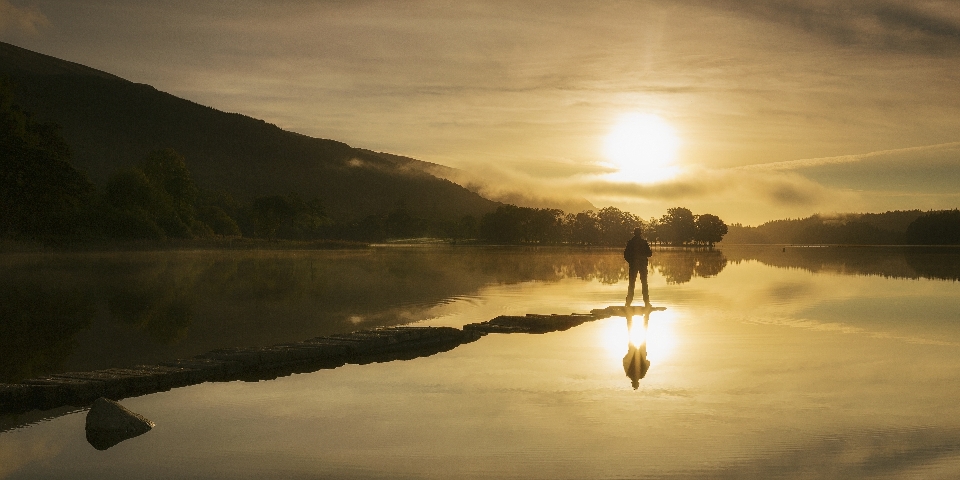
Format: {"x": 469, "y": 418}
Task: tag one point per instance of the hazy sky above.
{"x": 781, "y": 107}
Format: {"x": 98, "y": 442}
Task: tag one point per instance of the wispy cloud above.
{"x": 912, "y": 26}
{"x": 816, "y": 162}
{"x": 25, "y": 20}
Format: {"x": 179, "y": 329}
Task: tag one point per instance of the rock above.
{"x": 109, "y": 423}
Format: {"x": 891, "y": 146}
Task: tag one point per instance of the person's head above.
{"x": 637, "y": 232}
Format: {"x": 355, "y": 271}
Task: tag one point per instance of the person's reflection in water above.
{"x": 636, "y": 254}
{"x": 635, "y": 363}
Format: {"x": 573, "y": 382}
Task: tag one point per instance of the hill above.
{"x": 111, "y": 123}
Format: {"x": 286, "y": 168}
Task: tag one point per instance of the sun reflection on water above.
{"x": 659, "y": 336}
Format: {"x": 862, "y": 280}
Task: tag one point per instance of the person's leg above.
{"x": 644, "y": 290}
{"x": 631, "y": 286}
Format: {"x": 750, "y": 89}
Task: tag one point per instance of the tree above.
{"x": 678, "y": 226}
{"x": 269, "y": 213}
{"x": 158, "y": 194}
{"x": 167, "y": 171}
{"x": 41, "y": 194}
{"x": 218, "y": 220}
{"x": 935, "y": 228}
{"x": 652, "y": 231}
{"x": 511, "y": 224}
{"x": 544, "y": 225}
{"x": 616, "y": 226}
{"x": 290, "y": 217}
{"x": 131, "y": 206}
{"x": 709, "y": 229}
{"x": 584, "y": 228}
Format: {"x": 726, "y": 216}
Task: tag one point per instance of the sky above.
{"x": 750, "y": 110}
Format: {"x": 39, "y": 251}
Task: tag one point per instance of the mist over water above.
{"x": 766, "y": 363}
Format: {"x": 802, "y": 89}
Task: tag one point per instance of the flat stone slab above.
{"x": 530, "y": 323}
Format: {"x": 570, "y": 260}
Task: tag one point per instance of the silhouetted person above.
{"x": 636, "y": 254}
{"x": 635, "y": 363}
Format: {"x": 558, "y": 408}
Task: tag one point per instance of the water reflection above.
{"x": 635, "y": 362}
{"x": 681, "y": 266}
{"x": 847, "y": 408}
{"x": 942, "y": 263}
{"x": 38, "y": 325}
{"x": 123, "y": 309}
{"x": 74, "y": 312}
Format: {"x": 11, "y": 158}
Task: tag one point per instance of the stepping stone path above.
{"x": 266, "y": 363}
{"x": 229, "y": 364}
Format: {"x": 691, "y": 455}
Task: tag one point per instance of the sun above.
{"x": 642, "y": 147}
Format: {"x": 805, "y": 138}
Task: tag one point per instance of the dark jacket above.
{"x": 637, "y": 251}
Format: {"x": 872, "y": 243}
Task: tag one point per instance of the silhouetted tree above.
{"x": 616, "y": 226}
{"x": 132, "y": 206}
{"x": 218, "y": 220}
{"x": 935, "y": 228}
{"x": 544, "y": 225}
{"x": 155, "y": 200}
{"x": 511, "y": 224}
{"x": 677, "y": 227}
{"x": 708, "y": 229}
{"x": 584, "y": 228}
{"x": 466, "y": 227}
{"x": 288, "y": 217}
{"x": 41, "y": 194}
{"x": 167, "y": 171}
{"x": 503, "y": 225}
{"x": 651, "y": 231}
{"x": 269, "y": 212}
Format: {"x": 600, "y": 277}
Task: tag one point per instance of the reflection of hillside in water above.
{"x": 91, "y": 311}
{"x": 896, "y": 262}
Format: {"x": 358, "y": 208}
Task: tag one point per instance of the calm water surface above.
{"x": 808, "y": 363}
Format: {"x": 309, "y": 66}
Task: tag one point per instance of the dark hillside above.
{"x": 111, "y": 123}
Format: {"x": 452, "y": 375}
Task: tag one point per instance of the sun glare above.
{"x": 659, "y": 336}
{"x": 643, "y": 148}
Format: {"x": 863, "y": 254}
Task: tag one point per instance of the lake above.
{"x": 768, "y": 362}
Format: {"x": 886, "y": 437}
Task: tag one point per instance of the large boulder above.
{"x": 109, "y": 423}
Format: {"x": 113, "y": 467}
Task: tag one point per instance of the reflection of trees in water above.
{"x": 184, "y": 303}
{"x": 157, "y": 297}
{"x": 680, "y": 266}
{"x": 37, "y": 328}
{"x": 894, "y": 262}
{"x": 943, "y": 266}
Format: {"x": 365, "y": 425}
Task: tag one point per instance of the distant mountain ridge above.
{"x": 111, "y": 123}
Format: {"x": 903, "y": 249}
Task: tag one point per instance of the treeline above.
{"x": 911, "y": 227}
{"x": 609, "y": 226}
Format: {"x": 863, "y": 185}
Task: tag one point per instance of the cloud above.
{"x": 929, "y": 27}
{"x": 916, "y": 171}
{"x": 784, "y": 189}
{"x": 816, "y": 162}
{"x": 27, "y": 20}
{"x": 735, "y": 195}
